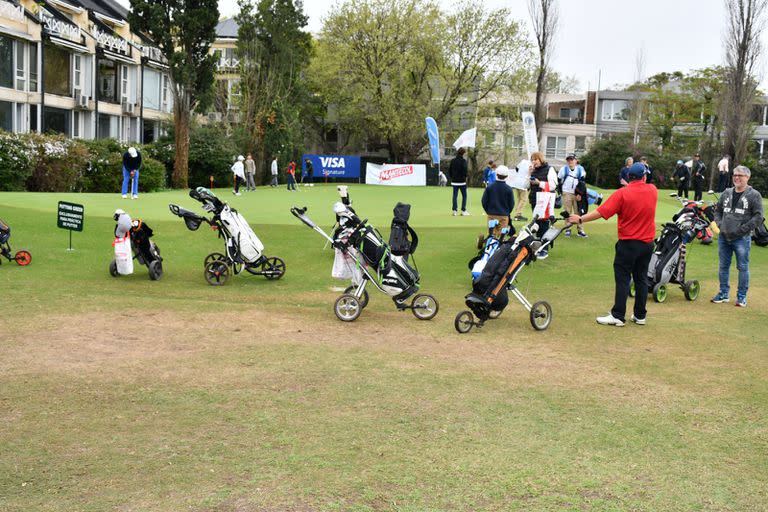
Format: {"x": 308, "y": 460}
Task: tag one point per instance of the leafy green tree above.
{"x": 274, "y": 54}
{"x": 184, "y": 31}
{"x": 387, "y": 64}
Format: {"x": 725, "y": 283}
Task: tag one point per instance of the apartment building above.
{"x": 226, "y": 104}
{"x": 74, "y": 67}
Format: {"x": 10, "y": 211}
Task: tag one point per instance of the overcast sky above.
{"x": 602, "y": 37}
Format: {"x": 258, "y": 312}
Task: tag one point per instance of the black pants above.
{"x": 682, "y": 189}
{"x": 463, "y": 190}
{"x": 631, "y": 262}
{"x": 723, "y": 182}
{"x": 698, "y": 189}
{"x": 238, "y": 181}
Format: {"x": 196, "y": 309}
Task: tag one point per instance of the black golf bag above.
{"x": 402, "y": 238}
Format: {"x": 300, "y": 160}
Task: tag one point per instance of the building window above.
{"x": 33, "y": 68}
{"x": 555, "y": 147}
{"x": 570, "y": 113}
{"x": 515, "y": 142}
{"x": 56, "y": 120}
{"x": 151, "y": 89}
{"x": 6, "y": 116}
{"x": 615, "y": 110}
{"x": 57, "y": 79}
{"x": 166, "y": 107}
{"x": 33, "y": 118}
{"x": 21, "y": 118}
{"x": 6, "y": 62}
{"x": 108, "y": 81}
{"x": 581, "y": 145}
{"x": 21, "y": 68}
{"x": 490, "y": 138}
{"x": 124, "y": 82}
{"x": 78, "y": 72}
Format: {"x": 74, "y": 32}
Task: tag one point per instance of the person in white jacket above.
{"x": 238, "y": 170}
{"x": 273, "y": 183}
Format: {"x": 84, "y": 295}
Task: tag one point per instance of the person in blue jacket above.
{"x": 489, "y": 173}
{"x": 498, "y": 200}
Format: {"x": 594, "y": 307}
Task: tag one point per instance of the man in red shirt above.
{"x": 635, "y": 206}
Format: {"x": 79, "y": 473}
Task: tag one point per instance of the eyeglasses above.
{"x": 740, "y": 176}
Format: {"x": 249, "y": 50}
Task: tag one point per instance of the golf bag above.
{"x": 402, "y": 238}
{"x": 133, "y": 241}
{"x": 487, "y": 246}
{"x": 392, "y": 272}
{"x": 5, "y": 232}
{"x": 667, "y": 263}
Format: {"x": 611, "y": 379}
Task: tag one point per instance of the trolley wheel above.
{"x": 632, "y": 289}
{"x": 464, "y": 322}
{"x": 113, "y": 268}
{"x": 363, "y": 300}
{"x": 541, "y": 315}
{"x": 155, "y": 270}
{"x": 692, "y": 289}
{"x": 347, "y": 308}
{"x": 217, "y": 273}
{"x": 660, "y": 293}
{"x": 214, "y": 256}
{"x": 424, "y": 306}
{"x": 274, "y": 268}
{"x": 493, "y": 314}
{"x": 23, "y": 258}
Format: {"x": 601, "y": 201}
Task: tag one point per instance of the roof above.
{"x": 227, "y": 28}
{"x": 110, "y": 8}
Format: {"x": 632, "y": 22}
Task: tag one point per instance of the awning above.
{"x": 68, "y": 44}
{"x": 16, "y": 33}
{"x": 121, "y": 58}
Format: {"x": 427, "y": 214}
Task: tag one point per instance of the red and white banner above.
{"x": 396, "y": 174}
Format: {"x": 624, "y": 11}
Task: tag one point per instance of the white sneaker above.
{"x": 238, "y": 194}
{"x": 125, "y": 196}
{"x": 455, "y": 213}
{"x": 638, "y": 321}
{"x": 609, "y": 320}
{"x": 465, "y": 213}
{"x": 134, "y": 196}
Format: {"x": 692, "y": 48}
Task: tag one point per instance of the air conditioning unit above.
{"x": 232, "y": 118}
{"x": 76, "y": 93}
{"x": 128, "y": 107}
{"x": 82, "y": 101}
{"x": 214, "y": 117}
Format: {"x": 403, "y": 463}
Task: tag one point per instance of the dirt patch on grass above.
{"x": 165, "y": 342}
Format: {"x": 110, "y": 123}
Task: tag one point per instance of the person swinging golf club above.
{"x": 131, "y": 166}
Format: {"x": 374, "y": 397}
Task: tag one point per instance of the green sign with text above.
{"x": 71, "y": 216}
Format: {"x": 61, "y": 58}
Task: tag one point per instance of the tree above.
{"x": 745, "y": 23}
{"x": 544, "y": 17}
{"x": 384, "y": 73}
{"x": 274, "y": 54}
{"x": 183, "y": 30}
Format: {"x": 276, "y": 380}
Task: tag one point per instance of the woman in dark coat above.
{"x": 458, "y": 175}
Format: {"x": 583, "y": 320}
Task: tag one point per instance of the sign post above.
{"x": 70, "y": 217}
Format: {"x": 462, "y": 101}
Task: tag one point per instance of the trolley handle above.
{"x": 300, "y": 213}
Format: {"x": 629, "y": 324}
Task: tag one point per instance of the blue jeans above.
{"x": 726, "y": 249}
{"x": 463, "y": 190}
{"x": 127, "y": 180}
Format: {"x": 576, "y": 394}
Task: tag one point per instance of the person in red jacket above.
{"x": 291, "y": 175}
{"x": 635, "y": 206}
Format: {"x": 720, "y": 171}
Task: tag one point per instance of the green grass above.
{"x": 126, "y": 394}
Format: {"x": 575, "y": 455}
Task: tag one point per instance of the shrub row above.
{"x": 54, "y": 163}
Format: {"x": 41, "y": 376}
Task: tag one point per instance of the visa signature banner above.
{"x": 332, "y": 166}
{"x": 396, "y": 174}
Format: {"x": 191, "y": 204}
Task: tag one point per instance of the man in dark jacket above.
{"x": 131, "y": 166}
{"x": 738, "y": 212}
{"x": 683, "y": 176}
{"x": 458, "y": 174}
{"x": 498, "y": 200}
{"x": 698, "y": 169}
